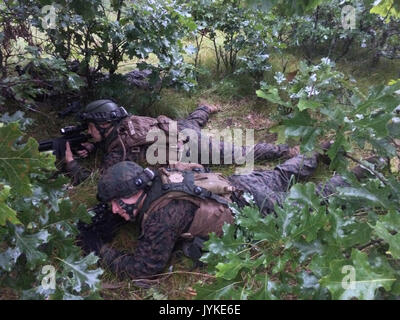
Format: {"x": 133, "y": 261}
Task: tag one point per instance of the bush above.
{"x": 245, "y": 45}
{"x": 337, "y": 249}
{"x": 38, "y": 225}
{"x": 321, "y": 32}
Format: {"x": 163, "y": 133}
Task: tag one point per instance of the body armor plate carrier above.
{"x": 210, "y": 192}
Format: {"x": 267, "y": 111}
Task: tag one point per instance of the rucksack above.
{"x": 132, "y": 133}
{"x": 135, "y": 129}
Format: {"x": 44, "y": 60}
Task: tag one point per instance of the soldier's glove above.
{"x": 110, "y": 258}
{"x": 108, "y": 255}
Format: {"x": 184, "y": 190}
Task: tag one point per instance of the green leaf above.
{"x": 266, "y": 290}
{"x": 336, "y": 150}
{"x": 309, "y": 140}
{"x": 224, "y": 246}
{"x": 229, "y": 270}
{"x": 385, "y": 226}
{"x": 308, "y": 104}
{"x": 19, "y": 117}
{"x": 347, "y": 230}
{"x": 310, "y": 287}
{"x": 305, "y": 194}
{"x": 313, "y": 216}
{"x": 220, "y": 289}
{"x": 17, "y": 162}
{"x": 320, "y": 262}
{"x": 67, "y": 213}
{"x": 280, "y": 262}
{"x": 280, "y": 130}
{"x": 261, "y": 228}
{"x": 272, "y": 95}
{"x": 299, "y": 125}
{"x": 387, "y": 9}
{"x": 29, "y": 243}
{"x": 74, "y": 81}
{"x": 367, "y": 279}
{"x": 81, "y": 275}
{"x": 6, "y": 213}
{"x": 289, "y": 7}
{"x": 9, "y": 258}
{"x": 308, "y": 249}
{"x": 68, "y": 296}
{"x": 353, "y": 193}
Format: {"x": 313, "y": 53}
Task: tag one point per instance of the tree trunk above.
{"x": 378, "y": 47}
{"x": 2, "y": 67}
{"x": 218, "y": 62}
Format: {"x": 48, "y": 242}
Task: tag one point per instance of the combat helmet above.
{"x": 102, "y": 111}
{"x": 123, "y": 180}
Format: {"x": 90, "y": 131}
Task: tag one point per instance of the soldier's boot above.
{"x": 196, "y": 119}
{"x": 193, "y": 250}
{"x": 269, "y": 151}
{"x": 360, "y": 172}
{"x": 266, "y": 151}
{"x": 213, "y": 108}
{"x": 294, "y": 151}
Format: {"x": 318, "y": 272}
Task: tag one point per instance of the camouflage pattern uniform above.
{"x": 161, "y": 232}
{"x": 195, "y": 121}
{"x": 163, "y": 228}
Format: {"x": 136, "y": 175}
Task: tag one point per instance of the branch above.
{"x": 371, "y": 243}
{"x": 363, "y": 165}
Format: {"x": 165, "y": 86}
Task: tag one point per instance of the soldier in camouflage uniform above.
{"x": 106, "y": 125}
{"x": 104, "y": 131}
{"x": 131, "y": 190}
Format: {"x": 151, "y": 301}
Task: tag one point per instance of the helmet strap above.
{"x": 130, "y": 208}
{"x": 101, "y": 130}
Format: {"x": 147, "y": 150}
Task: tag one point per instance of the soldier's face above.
{"x": 116, "y": 208}
{"x": 92, "y": 130}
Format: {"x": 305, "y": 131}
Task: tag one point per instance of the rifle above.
{"x": 72, "y": 134}
{"x": 101, "y": 230}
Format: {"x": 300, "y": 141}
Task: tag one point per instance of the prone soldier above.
{"x": 184, "y": 201}
{"x": 123, "y": 137}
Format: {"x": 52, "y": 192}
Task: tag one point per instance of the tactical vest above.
{"x": 132, "y": 132}
{"x": 210, "y": 192}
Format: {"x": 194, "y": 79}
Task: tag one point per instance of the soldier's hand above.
{"x": 68, "y": 153}
{"x": 89, "y": 147}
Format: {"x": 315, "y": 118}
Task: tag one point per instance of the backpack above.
{"x": 133, "y": 131}
{"x": 135, "y": 128}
